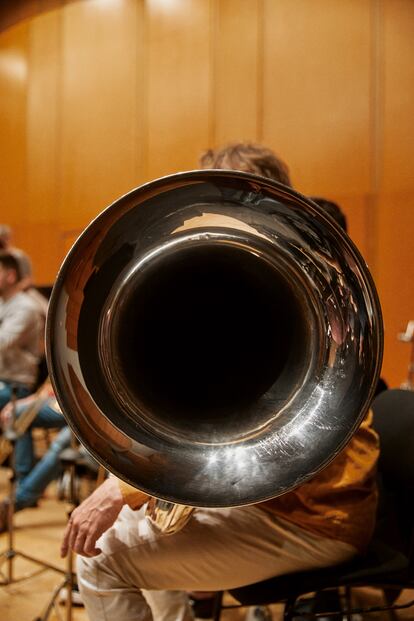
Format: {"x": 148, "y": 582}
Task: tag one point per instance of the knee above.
{"x": 61, "y": 441}
{"x": 87, "y": 570}
{"x": 93, "y": 590}
{"x": 20, "y": 408}
{"x": 96, "y": 575}
{"x": 4, "y": 394}
{"x": 88, "y": 565}
{"x": 106, "y": 594}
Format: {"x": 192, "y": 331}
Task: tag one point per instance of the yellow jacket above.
{"x": 340, "y": 501}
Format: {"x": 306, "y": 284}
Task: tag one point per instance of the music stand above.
{"x": 11, "y": 553}
{"x": 69, "y": 458}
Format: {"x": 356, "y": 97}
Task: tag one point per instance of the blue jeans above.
{"x": 30, "y": 488}
{"x": 47, "y": 418}
{"x": 6, "y": 392}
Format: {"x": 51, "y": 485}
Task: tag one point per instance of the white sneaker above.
{"x": 76, "y": 598}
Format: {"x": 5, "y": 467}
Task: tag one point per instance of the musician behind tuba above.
{"x": 256, "y": 328}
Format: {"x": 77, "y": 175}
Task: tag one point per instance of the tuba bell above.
{"x": 214, "y": 339}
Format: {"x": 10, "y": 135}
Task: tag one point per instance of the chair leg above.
{"x": 289, "y": 610}
{"x": 390, "y": 596}
{"x": 328, "y": 601}
{"x": 218, "y": 603}
{"x": 348, "y": 600}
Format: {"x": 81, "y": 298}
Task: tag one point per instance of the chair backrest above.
{"x": 394, "y": 422}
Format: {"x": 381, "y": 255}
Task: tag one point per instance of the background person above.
{"x": 25, "y": 263}
{"x": 21, "y": 333}
{"x": 25, "y": 267}
{"x": 33, "y": 476}
{"x": 333, "y": 209}
{"x": 48, "y": 416}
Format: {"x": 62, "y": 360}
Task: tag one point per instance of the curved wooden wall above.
{"x": 98, "y": 96}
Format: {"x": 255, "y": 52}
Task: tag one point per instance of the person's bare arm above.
{"x": 94, "y": 516}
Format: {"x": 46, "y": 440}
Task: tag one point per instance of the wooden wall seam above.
{"x": 260, "y": 72}
{"x": 142, "y": 13}
{"x": 376, "y": 130}
{"x": 212, "y": 104}
{"x": 59, "y": 129}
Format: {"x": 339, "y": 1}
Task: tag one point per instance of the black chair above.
{"x": 388, "y": 563}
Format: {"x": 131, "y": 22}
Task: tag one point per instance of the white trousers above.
{"x": 217, "y": 549}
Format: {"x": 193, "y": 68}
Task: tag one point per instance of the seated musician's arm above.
{"x": 96, "y": 514}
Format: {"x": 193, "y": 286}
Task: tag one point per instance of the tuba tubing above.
{"x": 214, "y": 339}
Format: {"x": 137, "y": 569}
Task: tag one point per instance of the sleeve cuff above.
{"x": 132, "y": 496}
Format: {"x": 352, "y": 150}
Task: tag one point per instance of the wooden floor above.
{"x": 38, "y": 533}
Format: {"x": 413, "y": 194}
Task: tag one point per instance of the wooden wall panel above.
{"x": 237, "y": 62}
{"x": 179, "y": 74}
{"x": 13, "y": 94}
{"x": 395, "y": 265}
{"x": 101, "y": 104}
{"x": 42, "y": 242}
{"x": 43, "y": 119}
{"x": 38, "y": 230}
{"x": 397, "y": 105}
{"x": 316, "y": 92}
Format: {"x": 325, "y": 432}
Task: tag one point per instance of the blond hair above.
{"x": 247, "y": 157}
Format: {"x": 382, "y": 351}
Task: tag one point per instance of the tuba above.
{"x": 214, "y": 339}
